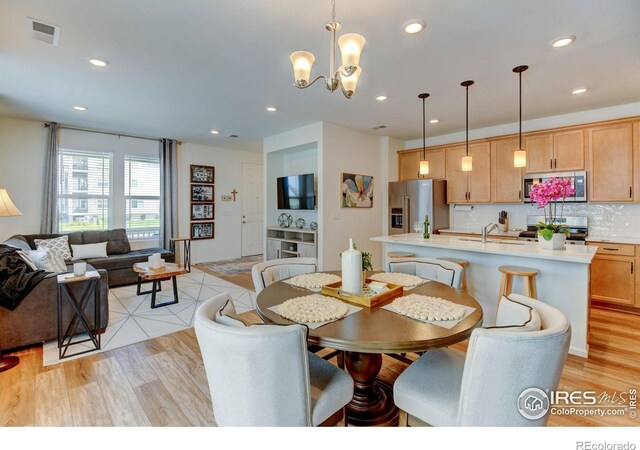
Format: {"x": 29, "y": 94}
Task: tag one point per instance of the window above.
{"x": 84, "y": 180}
{"x": 142, "y": 196}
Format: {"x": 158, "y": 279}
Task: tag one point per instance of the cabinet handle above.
{"x": 610, "y": 249}
{"x": 278, "y": 253}
{"x": 631, "y": 268}
{"x": 555, "y": 163}
{"x": 630, "y": 191}
{"x": 520, "y": 194}
{"x": 551, "y": 164}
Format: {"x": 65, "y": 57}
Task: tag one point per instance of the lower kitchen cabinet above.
{"x": 613, "y": 275}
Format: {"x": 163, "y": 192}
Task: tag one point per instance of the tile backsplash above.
{"x": 605, "y": 219}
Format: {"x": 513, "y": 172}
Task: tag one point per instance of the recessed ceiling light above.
{"x": 98, "y": 62}
{"x": 563, "y": 41}
{"x": 381, "y": 98}
{"x": 80, "y": 108}
{"x": 414, "y": 26}
{"x": 434, "y": 121}
{"x": 581, "y": 90}
{"x": 271, "y": 109}
{"x": 215, "y": 132}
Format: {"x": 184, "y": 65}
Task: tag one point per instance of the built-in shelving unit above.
{"x": 291, "y": 243}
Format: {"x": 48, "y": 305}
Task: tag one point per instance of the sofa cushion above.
{"x": 113, "y": 262}
{"x": 74, "y": 238}
{"x": 117, "y": 240}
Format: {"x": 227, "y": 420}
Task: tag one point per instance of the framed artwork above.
{"x": 203, "y": 174}
{"x": 202, "y": 230}
{"x": 202, "y": 211}
{"x": 357, "y": 191}
{"x": 201, "y": 193}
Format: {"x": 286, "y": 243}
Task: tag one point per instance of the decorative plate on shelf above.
{"x": 285, "y": 220}
{"x": 300, "y": 223}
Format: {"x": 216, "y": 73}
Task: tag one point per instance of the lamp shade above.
{"x": 349, "y": 83}
{"x": 7, "y": 208}
{"x": 520, "y": 158}
{"x": 351, "y": 45}
{"x": 424, "y": 167}
{"x": 467, "y": 164}
{"x": 302, "y": 63}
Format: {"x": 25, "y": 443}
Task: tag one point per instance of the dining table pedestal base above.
{"x": 372, "y": 403}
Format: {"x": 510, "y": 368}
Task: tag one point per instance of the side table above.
{"x": 186, "y": 250}
{"x": 80, "y": 321}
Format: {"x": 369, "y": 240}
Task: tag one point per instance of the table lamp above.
{"x": 7, "y": 209}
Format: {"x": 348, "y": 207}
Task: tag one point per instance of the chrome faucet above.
{"x": 486, "y": 230}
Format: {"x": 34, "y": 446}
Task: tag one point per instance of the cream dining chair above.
{"x": 446, "y": 272}
{"x": 268, "y": 272}
{"x": 263, "y": 375}
{"x": 526, "y": 349}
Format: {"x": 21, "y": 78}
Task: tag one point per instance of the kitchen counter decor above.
{"x": 552, "y": 233}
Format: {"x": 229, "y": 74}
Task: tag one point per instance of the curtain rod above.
{"x": 65, "y": 127}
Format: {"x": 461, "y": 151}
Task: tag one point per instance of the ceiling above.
{"x": 181, "y": 68}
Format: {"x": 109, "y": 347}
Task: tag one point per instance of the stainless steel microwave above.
{"x": 578, "y": 181}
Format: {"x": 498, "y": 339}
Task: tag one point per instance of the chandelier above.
{"x": 346, "y": 76}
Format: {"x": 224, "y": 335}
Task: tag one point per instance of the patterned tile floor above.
{"x": 131, "y": 318}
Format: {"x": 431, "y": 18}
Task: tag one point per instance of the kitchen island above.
{"x": 562, "y": 281}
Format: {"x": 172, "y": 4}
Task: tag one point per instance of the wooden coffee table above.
{"x": 169, "y": 270}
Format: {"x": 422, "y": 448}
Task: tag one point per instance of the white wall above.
{"x": 389, "y": 154}
{"x": 22, "y": 154}
{"x": 350, "y": 151}
{"x": 228, "y": 215}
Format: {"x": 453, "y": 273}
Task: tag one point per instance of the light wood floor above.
{"x": 161, "y": 382}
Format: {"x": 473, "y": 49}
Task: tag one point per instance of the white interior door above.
{"x": 252, "y": 209}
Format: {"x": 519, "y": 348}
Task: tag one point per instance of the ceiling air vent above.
{"x": 49, "y": 34}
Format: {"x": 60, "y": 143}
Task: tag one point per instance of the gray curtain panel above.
{"x": 50, "y": 202}
{"x": 169, "y": 198}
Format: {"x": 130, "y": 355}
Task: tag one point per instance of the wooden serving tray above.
{"x": 367, "y": 298}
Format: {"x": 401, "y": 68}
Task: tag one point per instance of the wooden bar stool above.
{"x": 506, "y": 281}
{"x": 465, "y": 264}
{"x": 401, "y": 255}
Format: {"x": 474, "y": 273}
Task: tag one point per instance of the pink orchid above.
{"x": 549, "y": 192}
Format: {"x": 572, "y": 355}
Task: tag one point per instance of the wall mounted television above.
{"x": 297, "y": 192}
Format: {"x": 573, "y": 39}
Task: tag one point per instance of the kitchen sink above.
{"x": 492, "y": 241}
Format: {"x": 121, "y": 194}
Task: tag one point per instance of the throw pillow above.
{"x": 25, "y": 257}
{"x": 49, "y": 261}
{"x": 87, "y": 251}
{"x": 59, "y": 245}
{"x": 227, "y": 316}
{"x": 517, "y": 316}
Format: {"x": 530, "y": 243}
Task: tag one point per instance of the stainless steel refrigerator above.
{"x": 410, "y": 201}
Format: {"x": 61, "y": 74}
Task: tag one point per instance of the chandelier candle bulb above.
{"x": 352, "y": 270}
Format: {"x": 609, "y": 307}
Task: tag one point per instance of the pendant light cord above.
{"x": 467, "y": 119}
{"x": 424, "y": 145}
{"x": 520, "y": 100}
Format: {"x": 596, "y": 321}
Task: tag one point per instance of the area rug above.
{"x": 233, "y": 266}
{"x": 132, "y": 320}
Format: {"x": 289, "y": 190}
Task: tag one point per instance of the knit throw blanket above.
{"x": 17, "y": 279}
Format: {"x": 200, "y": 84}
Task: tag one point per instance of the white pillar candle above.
{"x": 352, "y": 270}
{"x": 79, "y": 268}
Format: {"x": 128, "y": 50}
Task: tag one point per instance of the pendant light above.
{"x": 520, "y": 155}
{"x": 467, "y": 161}
{"x": 424, "y": 164}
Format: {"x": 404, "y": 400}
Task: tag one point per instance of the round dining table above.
{"x": 366, "y": 335}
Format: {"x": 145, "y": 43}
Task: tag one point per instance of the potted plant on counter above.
{"x": 552, "y": 233}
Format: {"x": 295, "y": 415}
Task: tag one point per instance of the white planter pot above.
{"x": 555, "y": 243}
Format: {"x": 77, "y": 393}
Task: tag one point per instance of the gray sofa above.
{"x": 35, "y": 318}
{"x": 120, "y": 258}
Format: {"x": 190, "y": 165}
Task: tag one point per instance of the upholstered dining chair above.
{"x": 268, "y": 272}
{"x": 446, "y": 272}
{"x": 526, "y": 349}
{"x": 263, "y": 375}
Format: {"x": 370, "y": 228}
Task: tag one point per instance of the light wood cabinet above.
{"x": 611, "y": 163}
{"x": 469, "y": 187}
{"x": 613, "y": 277}
{"x": 506, "y": 180}
{"x": 409, "y": 164}
{"x": 291, "y": 242}
{"x": 555, "y": 152}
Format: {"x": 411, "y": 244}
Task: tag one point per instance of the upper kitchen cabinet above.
{"x": 506, "y": 180}
{"x": 409, "y": 164}
{"x": 610, "y": 163}
{"x": 555, "y": 152}
{"x": 469, "y": 187}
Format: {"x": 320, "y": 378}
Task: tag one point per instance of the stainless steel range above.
{"x": 578, "y": 229}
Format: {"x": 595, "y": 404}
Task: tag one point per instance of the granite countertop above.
{"x": 614, "y": 239}
{"x": 496, "y": 232}
{"x": 572, "y": 253}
